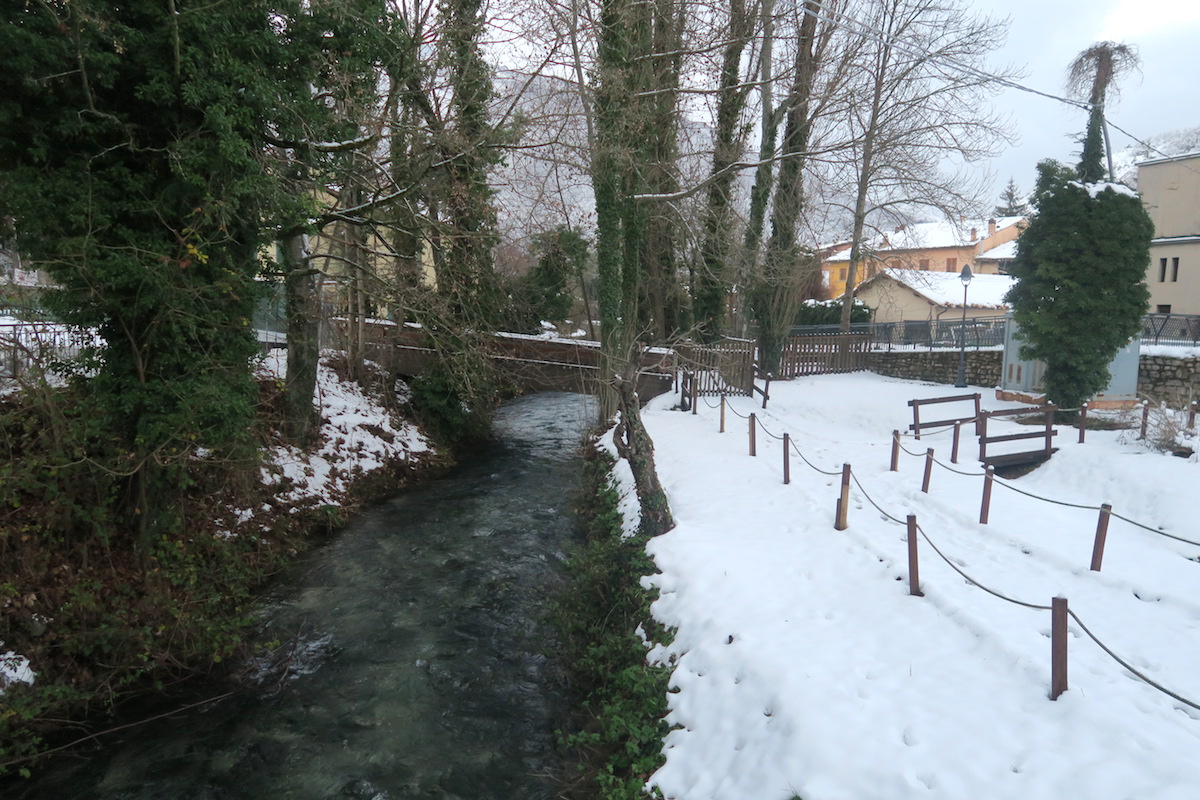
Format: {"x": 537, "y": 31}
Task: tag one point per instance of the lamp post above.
{"x": 965, "y": 276}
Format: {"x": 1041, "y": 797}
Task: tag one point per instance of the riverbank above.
{"x": 85, "y": 623}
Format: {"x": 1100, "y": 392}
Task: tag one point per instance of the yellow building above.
{"x": 945, "y": 246}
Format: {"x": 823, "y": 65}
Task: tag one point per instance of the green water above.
{"x": 413, "y": 662}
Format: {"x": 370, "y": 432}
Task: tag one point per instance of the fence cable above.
{"x": 1126, "y": 664}
{"x": 959, "y": 471}
{"x": 812, "y": 465}
{"x": 766, "y": 431}
{"x": 878, "y": 507}
{"x": 974, "y": 582}
{"x": 1046, "y": 499}
{"x": 933, "y": 432}
{"x": 1154, "y": 530}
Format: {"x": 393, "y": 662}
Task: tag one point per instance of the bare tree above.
{"x": 918, "y": 109}
{"x": 1092, "y": 76}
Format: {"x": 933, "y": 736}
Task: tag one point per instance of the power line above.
{"x": 882, "y": 37}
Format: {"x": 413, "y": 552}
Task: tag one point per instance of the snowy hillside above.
{"x": 1172, "y": 143}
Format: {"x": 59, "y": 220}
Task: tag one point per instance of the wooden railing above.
{"x": 725, "y": 368}
{"x": 821, "y": 354}
{"x": 1025, "y": 457}
{"x": 918, "y": 424}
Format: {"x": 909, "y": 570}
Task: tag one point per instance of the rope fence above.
{"x": 1059, "y": 607}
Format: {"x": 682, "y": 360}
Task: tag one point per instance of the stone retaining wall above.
{"x": 1175, "y": 381}
{"x": 939, "y": 366}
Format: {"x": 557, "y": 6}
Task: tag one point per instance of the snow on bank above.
{"x": 358, "y": 436}
{"x": 14, "y": 668}
{"x": 802, "y": 666}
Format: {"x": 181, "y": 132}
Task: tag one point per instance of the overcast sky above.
{"x": 1046, "y": 34}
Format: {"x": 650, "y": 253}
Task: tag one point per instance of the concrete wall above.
{"x": 1175, "y": 381}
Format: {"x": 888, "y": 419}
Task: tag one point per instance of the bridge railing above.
{"x": 724, "y": 368}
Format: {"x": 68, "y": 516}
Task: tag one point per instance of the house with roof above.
{"x": 1170, "y": 189}
{"x": 907, "y": 295}
{"x": 945, "y": 246}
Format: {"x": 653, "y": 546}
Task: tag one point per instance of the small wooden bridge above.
{"x": 531, "y": 362}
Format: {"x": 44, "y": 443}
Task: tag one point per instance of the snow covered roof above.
{"x": 929, "y": 235}
{"x": 945, "y": 288}
{"x": 1002, "y": 252}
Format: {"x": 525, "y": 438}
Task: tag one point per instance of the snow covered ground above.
{"x": 803, "y": 667}
{"x": 358, "y": 436}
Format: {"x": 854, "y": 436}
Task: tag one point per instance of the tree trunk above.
{"x": 781, "y": 285}
{"x": 634, "y": 445}
{"x": 302, "y": 291}
{"x": 712, "y": 281}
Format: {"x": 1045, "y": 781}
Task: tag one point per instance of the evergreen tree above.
{"x": 1079, "y": 294}
{"x": 1012, "y": 202}
{"x": 561, "y": 254}
{"x": 131, "y": 145}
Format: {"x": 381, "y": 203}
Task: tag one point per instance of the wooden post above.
{"x": 1058, "y": 647}
{"x": 978, "y": 411}
{"x": 1101, "y": 535}
{"x": 982, "y": 428}
{"x": 954, "y": 447}
{"x": 1145, "y": 417}
{"x": 722, "y": 413}
{"x": 843, "y": 504}
{"x": 1082, "y": 421}
{"x": 916, "y": 420}
{"x": 753, "y": 425}
{"x": 695, "y": 391}
{"x": 895, "y": 451}
{"x": 986, "y": 506}
{"x": 1050, "y": 411}
{"x": 928, "y": 470}
{"x": 914, "y": 582}
{"x": 1191, "y": 425}
{"x": 766, "y": 389}
{"x": 787, "y": 454}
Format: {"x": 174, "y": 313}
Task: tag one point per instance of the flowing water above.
{"x": 413, "y": 659}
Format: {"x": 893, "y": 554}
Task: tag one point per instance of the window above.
{"x": 1163, "y": 309}
{"x": 951, "y": 265}
{"x": 842, "y": 274}
{"x": 1162, "y": 270}
{"x": 1174, "y": 270}
{"x": 923, "y": 263}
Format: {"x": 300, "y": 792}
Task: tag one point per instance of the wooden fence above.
{"x": 726, "y": 368}
{"x": 821, "y": 354}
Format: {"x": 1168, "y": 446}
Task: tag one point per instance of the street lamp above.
{"x": 965, "y": 276}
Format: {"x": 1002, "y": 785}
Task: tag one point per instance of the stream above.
{"x": 412, "y": 658}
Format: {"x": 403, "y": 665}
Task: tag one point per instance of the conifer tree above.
{"x": 132, "y": 166}
{"x": 1012, "y": 202}
{"x": 1079, "y": 295}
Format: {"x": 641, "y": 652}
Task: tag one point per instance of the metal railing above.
{"x": 922, "y": 334}
{"x": 1171, "y": 329}
{"x": 28, "y": 344}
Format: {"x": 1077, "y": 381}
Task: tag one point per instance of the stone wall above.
{"x": 1175, "y": 381}
{"x": 939, "y": 366}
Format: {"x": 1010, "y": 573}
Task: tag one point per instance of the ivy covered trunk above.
{"x": 634, "y": 445}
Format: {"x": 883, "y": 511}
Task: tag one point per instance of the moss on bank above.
{"x": 604, "y": 619}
